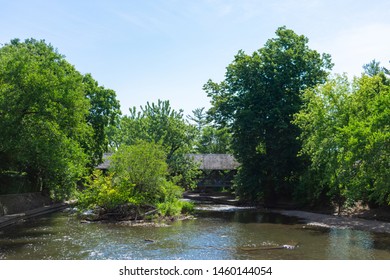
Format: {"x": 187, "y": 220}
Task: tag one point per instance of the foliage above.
{"x": 142, "y": 166}
{"x": 320, "y": 119}
{"x": 159, "y": 123}
{"x": 256, "y": 102}
{"x": 53, "y": 120}
{"x": 345, "y": 132}
{"x": 210, "y": 139}
{"x": 138, "y": 176}
{"x": 175, "y": 208}
{"x": 373, "y": 69}
{"x": 199, "y": 117}
{"x": 172, "y": 205}
{"x": 42, "y": 116}
{"x": 100, "y": 191}
{"x": 103, "y": 114}
{"x": 214, "y": 140}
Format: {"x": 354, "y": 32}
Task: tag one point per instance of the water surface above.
{"x": 217, "y": 233}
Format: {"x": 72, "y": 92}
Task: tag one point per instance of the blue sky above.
{"x": 147, "y": 50}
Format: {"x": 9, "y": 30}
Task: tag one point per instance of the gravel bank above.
{"x": 323, "y": 220}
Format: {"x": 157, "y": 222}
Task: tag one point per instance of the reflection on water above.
{"x": 346, "y": 243}
{"x": 218, "y": 232}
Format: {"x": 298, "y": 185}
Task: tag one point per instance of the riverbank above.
{"x": 374, "y": 220}
{"x": 366, "y": 220}
{"x": 8, "y": 220}
{"x": 15, "y": 208}
{"x": 332, "y": 221}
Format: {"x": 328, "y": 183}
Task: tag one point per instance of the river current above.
{"x": 217, "y": 232}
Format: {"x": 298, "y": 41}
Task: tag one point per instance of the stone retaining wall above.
{"x": 18, "y": 203}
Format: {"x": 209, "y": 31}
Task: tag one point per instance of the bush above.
{"x": 101, "y": 191}
{"x": 138, "y": 176}
{"x": 175, "y": 208}
{"x": 172, "y": 204}
{"x": 141, "y": 167}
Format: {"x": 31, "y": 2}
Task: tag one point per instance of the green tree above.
{"x": 345, "y": 132}
{"x": 210, "y": 139}
{"x": 368, "y": 134}
{"x": 199, "y": 117}
{"x": 103, "y": 117}
{"x": 138, "y": 176}
{"x": 213, "y": 140}
{"x": 256, "y": 101}
{"x": 142, "y": 167}
{"x": 42, "y": 116}
{"x": 160, "y": 124}
{"x": 325, "y": 112}
{"x": 373, "y": 68}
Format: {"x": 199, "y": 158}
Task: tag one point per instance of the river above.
{"x": 217, "y": 232}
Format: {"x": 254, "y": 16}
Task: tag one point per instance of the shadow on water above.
{"x": 217, "y": 232}
{"x": 244, "y": 214}
{"x": 346, "y": 237}
{"x": 250, "y": 216}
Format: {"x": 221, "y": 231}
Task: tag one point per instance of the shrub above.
{"x": 100, "y": 191}
{"x": 138, "y": 176}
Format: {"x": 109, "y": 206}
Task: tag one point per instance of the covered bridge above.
{"x": 218, "y": 170}
{"x": 206, "y": 161}
{"x": 105, "y": 165}
{"x": 215, "y": 161}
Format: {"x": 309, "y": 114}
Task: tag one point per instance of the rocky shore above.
{"x": 325, "y": 220}
{"x": 376, "y": 220}
{"x": 373, "y": 220}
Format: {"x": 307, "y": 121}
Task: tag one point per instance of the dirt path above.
{"x": 323, "y": 220}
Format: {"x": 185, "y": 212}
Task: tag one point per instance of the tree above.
{"x": 373, "y": 68}
{"x": 325, "y": 112}
{"x": 368, "y": 135}
{"x": 256, "y": 101}
{"x": 42, "y": 116}
{"x": 213, "y": 140}
{"x": 160, "y": 124}
{"x": 345, "y": 132}
{"x": 209, "y": 139}
{"x": 199, "y": 117}
{"x": 143, "y": 169}
{"x": 103, "y": 115}
{"x": 138, "y": 178}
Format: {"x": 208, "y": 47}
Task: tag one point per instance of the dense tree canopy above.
{"x": 142, "y": 169}
{"x": 138, "y": 177}
{"x": 160, "y": 124}
{"x": 257, "y": 100}
{"x": 104, "y": 113}
{"x": 43, "y": 110}
{"x": 50, "y": 117}
{"x": 293, "y": 130}
{"x": 345, "y": 132}
{"x": 210, "y": 139}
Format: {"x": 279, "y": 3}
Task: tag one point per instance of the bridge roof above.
{"x": 206, "y": 161}
{"x": 106, "y": 162}
{"x": 215, "y": 161}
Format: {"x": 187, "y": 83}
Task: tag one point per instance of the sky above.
{"x": 147, "y": 50}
